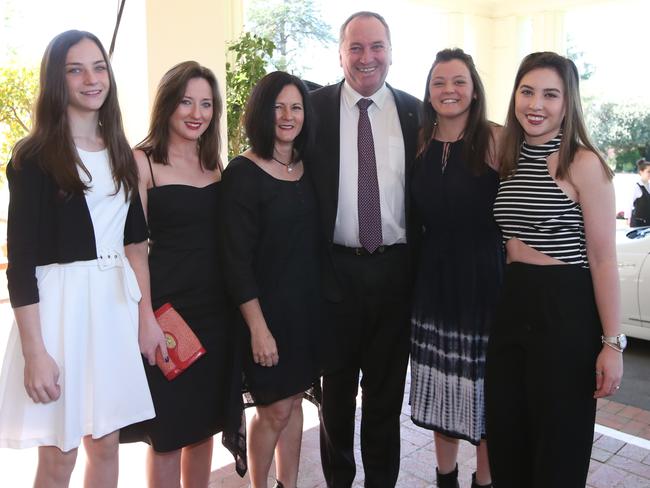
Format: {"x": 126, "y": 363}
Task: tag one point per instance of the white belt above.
{"x": 108, "y": 258}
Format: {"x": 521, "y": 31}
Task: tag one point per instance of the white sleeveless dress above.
{"x": 89, "y": 322}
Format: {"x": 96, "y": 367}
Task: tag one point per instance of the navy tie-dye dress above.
{"x": 458, "y": 279}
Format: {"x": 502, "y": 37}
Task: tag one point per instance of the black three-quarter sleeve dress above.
{"x": 270, "y": 252}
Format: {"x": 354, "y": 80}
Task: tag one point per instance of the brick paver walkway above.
{"x": 615, "y": 463}
{"x": 631, "y": 420}
{"x": 620, "y": 456}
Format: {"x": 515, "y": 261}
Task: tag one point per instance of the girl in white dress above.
{"x": 72, "y": 369}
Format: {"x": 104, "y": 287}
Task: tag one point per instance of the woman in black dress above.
{"x": 454, "y": 183}
{"x": 180, "y": 171}
{"x": 270, "y": 254}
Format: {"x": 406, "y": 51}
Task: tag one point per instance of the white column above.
{"x": 516, "y": 36}
{"x": 497, "y": 35}
{"x": 163, "y": 33}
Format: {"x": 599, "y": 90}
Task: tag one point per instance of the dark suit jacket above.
{"x": 324, "y": 165}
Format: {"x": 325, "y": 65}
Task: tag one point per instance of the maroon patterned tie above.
{"x": 368, "y": 190}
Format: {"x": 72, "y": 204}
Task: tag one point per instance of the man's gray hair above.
{"x": 367, "y": 14}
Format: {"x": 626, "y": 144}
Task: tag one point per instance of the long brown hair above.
{"x": 171, "y": 91}
{"x": 574, "y": 131}
{"x": 50, "y": 141}
{"x": 477, "y": 134}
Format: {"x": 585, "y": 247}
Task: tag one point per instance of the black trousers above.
{"x": 370, "y": 337}
{"x": 540, "y": 378}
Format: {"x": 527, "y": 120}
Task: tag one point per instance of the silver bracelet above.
{"x": 617, "y": 349}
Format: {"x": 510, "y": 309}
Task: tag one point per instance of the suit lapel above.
{"x": 408, "y": 121}
{"x": 331, "y": 122}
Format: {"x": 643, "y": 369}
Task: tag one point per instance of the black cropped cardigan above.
{"x": 45, "y": 226}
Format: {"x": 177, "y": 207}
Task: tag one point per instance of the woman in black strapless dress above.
{"x": 179, "y": 185}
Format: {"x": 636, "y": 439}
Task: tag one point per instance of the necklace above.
{"x": 288, "y": 165}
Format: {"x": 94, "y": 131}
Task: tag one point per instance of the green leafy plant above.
{"x": 18, "y": 88}
{"x": 290, "y": 24}
{"x": 251, "y": 56}
{"x": 621, "y": 130}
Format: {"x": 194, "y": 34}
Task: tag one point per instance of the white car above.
{"x": 633, "y": 249}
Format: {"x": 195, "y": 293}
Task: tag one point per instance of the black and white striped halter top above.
{"x": 531, "y": 207}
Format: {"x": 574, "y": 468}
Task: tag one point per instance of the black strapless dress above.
{"x": 185, "y": 271}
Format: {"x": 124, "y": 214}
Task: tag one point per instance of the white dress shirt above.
{"x": 390, "y": 158}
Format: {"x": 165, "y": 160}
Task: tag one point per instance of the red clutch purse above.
{"x": 183, "y": 346}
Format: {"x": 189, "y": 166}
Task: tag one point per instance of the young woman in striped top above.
{"x": 555, "y": 345}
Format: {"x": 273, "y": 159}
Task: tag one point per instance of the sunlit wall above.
{"x": 157, "y": 33}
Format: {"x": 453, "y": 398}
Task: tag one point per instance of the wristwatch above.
{"x": 617, "y": 342}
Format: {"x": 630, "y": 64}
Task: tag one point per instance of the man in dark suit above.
{"x": 365, "y": 147}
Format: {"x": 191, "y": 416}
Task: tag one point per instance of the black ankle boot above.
{"x": 278, "y": 484}
{"x": 476, "y": 485}
{"x": 449, "y": 480}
